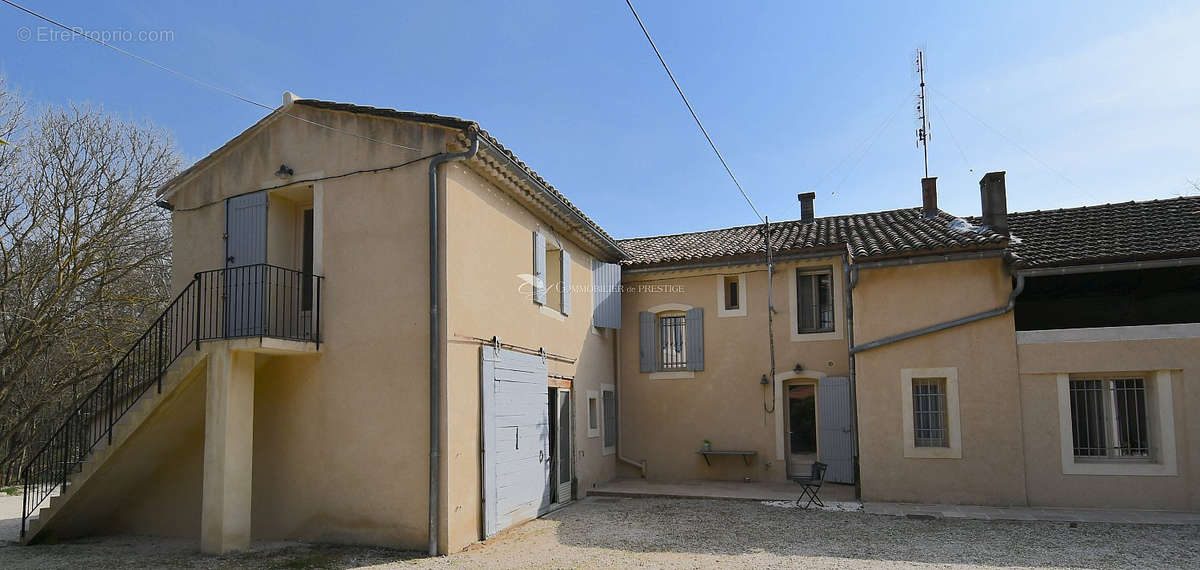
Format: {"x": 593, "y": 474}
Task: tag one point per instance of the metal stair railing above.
{"x": 236, "y": 302}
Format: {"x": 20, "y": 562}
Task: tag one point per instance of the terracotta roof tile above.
{"x": 891, "y": 233}
{"x": 1129, "y": 231}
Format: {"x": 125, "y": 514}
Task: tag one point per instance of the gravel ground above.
{"x": 676, "y": 533}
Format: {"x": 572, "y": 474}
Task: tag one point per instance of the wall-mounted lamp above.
{"x": 764, "y": 380}
{"x": 284, "y": 171}
{"x": 799, "y": 368}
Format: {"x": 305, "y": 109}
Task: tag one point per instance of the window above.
{"x": 731, "y": 295}
{"x": 609, "y": 404}
{"x": 814, "y": 301}
{"x": 551, "y": 275}
{"x": 929, "y": 404}
{"x": 1117, "y": 423}
{"x": 1109, "y": 418}
{"x": 672, "y": 342}
{"x": 554, "y": 270}
{"x": 929, "y": 412}
{"x": 593, "y": 413}
{"x": 306, "y": 263}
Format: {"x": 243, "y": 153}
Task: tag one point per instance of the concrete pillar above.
{"x": 228, "y": 450}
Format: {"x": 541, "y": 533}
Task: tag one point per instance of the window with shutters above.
{"x": 551, "y": 276}
{"x": 608, "y": 396}
{"x": 814, "y": 301}
{"x": 672, "y": 343}
{"x": 1109, "y": 418}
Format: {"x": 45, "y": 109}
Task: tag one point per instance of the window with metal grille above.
{"x": 610, "y": 418}
{"x": 814, "y": 297}
{"x": 673, "y": 342}
{"x": 1108, "y": 418}
{"x": 929, "y": 413}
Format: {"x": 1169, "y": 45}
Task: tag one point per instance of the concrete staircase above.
{"x": 187, "y": 368}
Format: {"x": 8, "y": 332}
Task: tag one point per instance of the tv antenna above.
{"x": 922, "y": 117}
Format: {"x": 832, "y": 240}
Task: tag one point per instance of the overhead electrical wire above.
{"x": 864, "y": 143}
{"x": 1012, "y": 142}
{"x": 691, "y": 110}
{"x": 954, "y": 139}
{"x": 197, "y": 80}
{"x": 865, "y": 151}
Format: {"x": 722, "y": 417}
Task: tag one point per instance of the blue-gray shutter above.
{"x": 566, "y": 282}
{"x": 835, "y": 411}
{"x": 647, "y": 342}
{"x": 539, "y": 268}
{"x": 694, "y": 322}
{"x": 245, "y": 251}
{"x": 606, "y": 294}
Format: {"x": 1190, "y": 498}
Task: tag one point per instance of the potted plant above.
{"x": 707, "y": 445}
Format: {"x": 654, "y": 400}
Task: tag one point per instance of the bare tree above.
{"x": 86, "y": 257}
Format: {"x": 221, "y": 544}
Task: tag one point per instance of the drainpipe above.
{"x": 621, "y": 407}
{"x": 851, "y": 278}
{"x": 1002, "y": 309}
{"x": 435, "y": 335}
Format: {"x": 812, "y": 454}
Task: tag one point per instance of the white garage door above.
{"x": 516, "y": 438}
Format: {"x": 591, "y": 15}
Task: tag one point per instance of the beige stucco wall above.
{"x": 665, "y": 421}
{"x": 341, "y": 439}
{"x": 488, "y": 244}
{"x": 1041, "y": 362}
{"x": 893, "y": 300}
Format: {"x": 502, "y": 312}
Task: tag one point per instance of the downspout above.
{"x": 851, "y": 277}
{"x": 435, "y": 335}
{"x": 1002, "y": 309}
{"x": 621, "y": 407}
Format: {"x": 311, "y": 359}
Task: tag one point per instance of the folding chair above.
{"x": 812, "y": 485}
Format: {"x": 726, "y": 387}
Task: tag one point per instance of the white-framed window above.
{"x": 671, "y": 341}
{"x": 815, "y": 294}
{"x": 608, "y": 418}
{"x": 1117, "y": 423}
{"x": 551, "y": 275}
{"x": 731, "y": 295}
{"x": 929, "y": 401}
{"x": 593, "y": 413}
{"x": 814, "y": 301}
{"x": 1110, "y": 418}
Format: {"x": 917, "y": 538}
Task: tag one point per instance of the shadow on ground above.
{"x": 735, "y": 528}
{"x": 154, "y": 552}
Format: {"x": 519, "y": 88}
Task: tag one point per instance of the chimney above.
{"x": 929, "y": 197}
{"x": 994, "y": 202}
{"x": 806, "y": 206}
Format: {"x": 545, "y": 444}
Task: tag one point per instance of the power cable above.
{"x": 874, "y": 137}
{"x": 1014, "y": 143}
{"x": 954, "y": 139}
{"x": 856, "y": 148}
{"x": 196, "y": 80}
{"x": 691, "y": 110}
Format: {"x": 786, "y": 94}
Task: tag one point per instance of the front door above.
{"x": 245, "y": 251}
{"x": 802, "y": 428}
{"x": 560, "y": 400}
{"x": 837, "y": 428}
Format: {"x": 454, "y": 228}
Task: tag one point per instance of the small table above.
{"x": 746, "y": 455}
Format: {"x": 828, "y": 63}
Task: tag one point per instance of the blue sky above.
{"x": 1083, "y": 102}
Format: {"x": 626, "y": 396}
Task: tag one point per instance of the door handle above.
{"x": 541, "y": 455}
{"x": 229, "y": 259}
